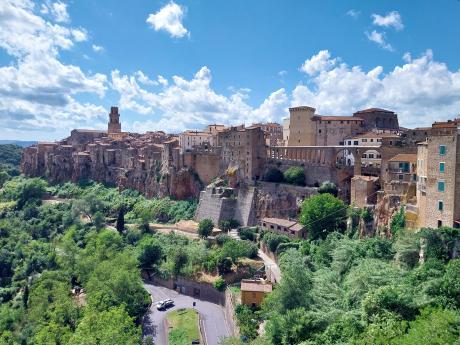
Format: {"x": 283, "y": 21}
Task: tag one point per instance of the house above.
{"x": 253, "y": 291}
{"x": 286, "y": 227}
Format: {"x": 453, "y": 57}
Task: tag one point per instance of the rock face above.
{"x": 149, "y": 163}
{"x": 280, "y": 200}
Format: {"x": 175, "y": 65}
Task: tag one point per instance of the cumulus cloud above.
{"x": 421, "y": 90}
{"x": 392, "y": 19}
{"x": 169, "y": 19}
{"x": 59, "y": 12}
{"x": 318, "y": 63}
{"x": 37, "y": 91}
{"x": 379, "y": 38}
{"x": 192, "y": 104}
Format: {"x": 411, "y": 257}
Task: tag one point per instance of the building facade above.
{"x": 438, "y": 170}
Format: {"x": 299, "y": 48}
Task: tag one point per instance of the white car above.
{"x": 163, "y": 305}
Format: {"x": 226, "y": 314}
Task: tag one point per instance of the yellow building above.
{"x": 253, "y": 291}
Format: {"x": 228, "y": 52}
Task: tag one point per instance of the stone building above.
{"x": 273, "y": 133}
{"x": 190, "y": 139}
{"x": 244, "y": 151}
{"x": 253, "y": 292}
{"x": 370, "y": 158}
{"x": 308, "y": 129}
{"x": 286, "y": 227}
{"x": 438, "y": 168}
{"x": 376, "y": 118}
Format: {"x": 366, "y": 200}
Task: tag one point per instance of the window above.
{"x": 440, "y": 205}
{"x": 439, "y": 223}
{"x": 441, "y": 186}
{"x": 355, "y": 142}
{"x": 441, "y": 166}
{"x": 372, "y": 140}
{"x": 400, "y": 177}
{"x": 319, "y": 131}
{"x": 442, "y": 150}
{"x": 364, "y": 140}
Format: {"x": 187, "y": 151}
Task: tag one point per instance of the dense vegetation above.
{"x": 71, "y": 256}
{"x": 293, "y": 175}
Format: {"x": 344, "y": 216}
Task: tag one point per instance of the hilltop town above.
{"x": 237, "y": 171}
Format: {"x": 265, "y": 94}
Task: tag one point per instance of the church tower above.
{"x": 114, "y": 121}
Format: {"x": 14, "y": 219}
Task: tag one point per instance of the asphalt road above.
{"x": 212, "y": 316}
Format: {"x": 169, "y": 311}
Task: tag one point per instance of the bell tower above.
{"x": 114, "y": 121}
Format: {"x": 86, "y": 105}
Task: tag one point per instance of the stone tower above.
{"x": 114, "y": 121}
{"x": 302, "y": 128}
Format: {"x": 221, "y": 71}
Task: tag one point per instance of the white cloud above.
{"x": 97, "y": 49}
{"x": 79, "y": 35}
{"x": 379, "y": 38}
{"x": 142, "y": 78}
{"x": 59, "y": 11}
{"x": 318, "y": 63}
{"x": 192, "y": 104}
{"x": 37, "y": 90}
{"x": 392, "y": 19}
{"x": 353, "y": 13}
{"x": 421, "y": 91}
{"x": 169, "y": 18}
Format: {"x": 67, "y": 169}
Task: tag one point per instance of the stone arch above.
{"x": 344, "y": 157}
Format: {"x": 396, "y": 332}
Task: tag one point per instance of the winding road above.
{"x": 214, "y": 323}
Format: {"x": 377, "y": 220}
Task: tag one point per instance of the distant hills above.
{"x": 22, "y": 143}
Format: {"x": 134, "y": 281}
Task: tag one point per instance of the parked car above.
{"x": 163, "y": 305}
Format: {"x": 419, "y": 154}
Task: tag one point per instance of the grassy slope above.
{"x": 183, "y": 327}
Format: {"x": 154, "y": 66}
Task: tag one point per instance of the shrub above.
{"x": 328, "y": 187}
{"x": 247, "y": 234}
{"x": 220, "y": 284}
{"x": 273, "y": 240}
{"x": 274, "y": 175}
{"x": 224, "y": 265}
{"x": 205, "y": 228}
{"x": 295, "y": 175}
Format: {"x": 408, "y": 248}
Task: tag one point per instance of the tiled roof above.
{"x": 405, "y": 157}
{"x": 253, "y": 286}
{"x": 372, "y": 110}
{"x": 336, "y": 118}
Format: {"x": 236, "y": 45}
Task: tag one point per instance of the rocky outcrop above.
{"x": 280, "y": 200}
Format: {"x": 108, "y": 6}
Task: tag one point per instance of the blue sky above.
{"x": 178, "y": 65}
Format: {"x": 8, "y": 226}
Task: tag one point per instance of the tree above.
{"x": 113, "y": 326}
{"x": 322, "y": 214}
{"x": 150, "y": 252}
{"x": 328, "y": 187}
{"x": 99, "y": 220}
{"x": 121, "y": 219}
{"x": 205, "y": 227}
{"x": 274, "y": 175}
{"x": 295, "y": 175}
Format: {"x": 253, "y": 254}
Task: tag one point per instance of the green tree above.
{"x": 322, "y": 214}
{"x": 295, "y": 175}
{"x": 112, "y": 326}
{"x": 274, "y": 175}
{"x": 205, "y": 227}
{"x": 150, "y": 252}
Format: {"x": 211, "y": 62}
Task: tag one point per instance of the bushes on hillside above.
{"x": 274, "y": 175}
{"x": 295, "y": 175}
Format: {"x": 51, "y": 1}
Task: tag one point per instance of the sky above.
{"x": 176, "y": 65}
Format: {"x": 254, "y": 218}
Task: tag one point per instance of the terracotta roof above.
{"x": 405, "y": 157}
{"x": 256, "y": 286}
{"x": 372, "y": 110}
{"x": 336, "y": 118}
{"x": 375, "y": 135}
